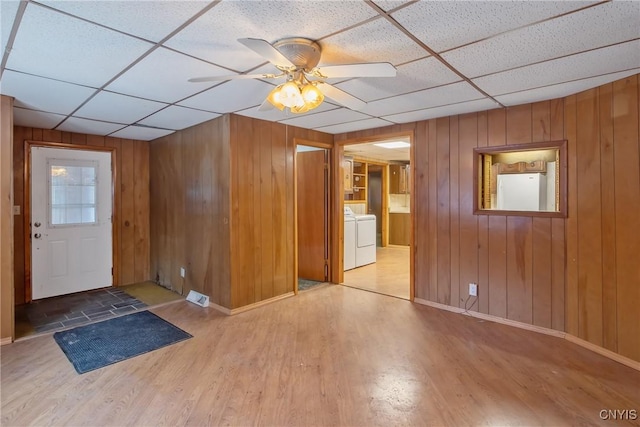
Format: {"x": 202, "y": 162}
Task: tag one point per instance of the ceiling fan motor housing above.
{"x": 303, "y": 53}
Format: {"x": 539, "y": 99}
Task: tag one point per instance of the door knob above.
{"x": 37, "y": 235}
{"x": 37, "y": 224}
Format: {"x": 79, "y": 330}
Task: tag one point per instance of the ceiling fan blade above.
{"x": 232, "y": 77}
{"x": 266, "y": 105}
{"x": 341, "y": 96}
{"x": 267, "y": 51}
{"x": 372, "y": 69}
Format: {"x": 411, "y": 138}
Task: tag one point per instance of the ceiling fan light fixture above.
{"x": 290, "y": 95}
{"x": 274, "y": 98}
{"x": 312, "y": 96}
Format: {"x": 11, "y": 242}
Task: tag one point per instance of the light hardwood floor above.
{"x": 330, "y": 356}
{"x": 389, "y": 275}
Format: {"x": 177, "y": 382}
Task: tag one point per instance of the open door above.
{"x": 312, "y": 208}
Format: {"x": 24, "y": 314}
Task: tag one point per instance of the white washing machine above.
{"x": 349, "y": 242}
{"x": 365, "y": 239}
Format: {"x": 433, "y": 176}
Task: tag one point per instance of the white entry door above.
{"x": 71, "y": 208}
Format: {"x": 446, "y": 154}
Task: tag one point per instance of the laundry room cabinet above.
{"x": 358, "y": 182}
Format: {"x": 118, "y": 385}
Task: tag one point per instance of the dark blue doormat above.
{"x": 100, "y": 344}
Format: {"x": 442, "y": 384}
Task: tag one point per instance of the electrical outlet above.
{"x": 182, "y": 272}
{"x": 473, "y": 290}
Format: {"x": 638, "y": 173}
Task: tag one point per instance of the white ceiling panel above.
{"x": 590, "y": 64}
{"x": 70, "y": 49}
{"x": 151, "y": 20}
{"x": 163, "y": 75}
{"x": 598, "y": 26}
{"x": 375, "y": 41}
{"x": 230, "y": 96}
{"x": 94, "y": 127}
{"x": 372, "y": 151}
{"x": 42, "y": 94}
{"x": 326, "y": 118}
{"x": 141, "y": 133}
{"x": 449, "y": 24}
{"x": 353, "y": 126}
{"x": 422, "y": 74}
{"x": 446, "y": 110}
{"x": 174, "y": 117}
{"x": 562, "y": 89}
{"x": 388, "y": 5}
{"x": 8, "y": 10}
{"x": 36, "y": 119}
{"x": 117, "y": 108}
{"x": 109, "y": 59}
{"x": 214, "y": 35}
{"x": 443, "y": 95}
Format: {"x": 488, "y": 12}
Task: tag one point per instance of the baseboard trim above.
{"x": 220, "y": 308}
{"x": 260, "y": 303}
{"x": 231, "y": 312}
{"x": 539, "y": 329}
{"x": 604, "y": 352}
{"x": 5, "y": 341}
{"x": 492, "y": 318}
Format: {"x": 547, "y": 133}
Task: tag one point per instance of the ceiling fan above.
{"x": 305, "y": 87}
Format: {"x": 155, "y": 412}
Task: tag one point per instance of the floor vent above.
{"x": 198, "y": 299}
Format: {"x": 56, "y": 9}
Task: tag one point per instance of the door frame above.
{"x": 28, "y": 144}
{"x": 338, "y": 200}
{"x": 331, "y": 268}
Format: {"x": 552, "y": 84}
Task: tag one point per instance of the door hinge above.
{"x": 326, "y": 166}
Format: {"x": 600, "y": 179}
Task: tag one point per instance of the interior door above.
{"x": 71, "y": 230}
{"x": 312, "y": 207}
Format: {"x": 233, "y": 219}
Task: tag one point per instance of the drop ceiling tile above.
{"x": 37, "y": 93}
{"x": 163, "y": 75}
{"x": 598, "y": 26}
{"x": 177, "y": 118}
{"x": 446, "y": 110}
{"x": 70, "y": 49}
{"x": 117, "y": 108}
{"x": 375, "y": 41}
{"x": 213, "y": 36}
{"x": 141, "y": 133}
{"x": 8, "y": 10}
{"x": 442, "y": 95}
{"x": 151, "y": 20}
{"x": 92, "y": 127}
{"x": 561, "y": 90}
{"x": 422, "y": 74}
{"x": 354, "y": 126}
{"x": 35, "y": 119}
{"x": 590, "y": 64}
{"x": 326, "y": 118}
{"x": 388, "y": 5}
{"x": 231, "y": 96}
{"x": 443, "y": 25}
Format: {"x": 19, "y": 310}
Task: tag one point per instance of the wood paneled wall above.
{"x": 603, "y": 237}
{"x": 223, "y": 207}
{"x": 190, "y": 210}
{"x": 6, "y": 219}
{"x": 580, "y": 274}
{"x": 262, "y": 194}
{"x": 132, "y": 171}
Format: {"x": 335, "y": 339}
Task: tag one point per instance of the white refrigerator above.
{"x": 522, "y": 192}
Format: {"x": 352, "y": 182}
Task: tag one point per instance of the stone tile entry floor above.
{"x": 76, "y": 309}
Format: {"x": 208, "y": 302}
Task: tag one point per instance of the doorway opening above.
{"x": 380, "y": 188}
{"x": 312, "y": 214}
